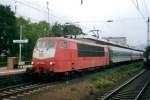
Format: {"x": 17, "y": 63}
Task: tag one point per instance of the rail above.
{"x": 18, "y": 91}
{"x": 131, "y": 89}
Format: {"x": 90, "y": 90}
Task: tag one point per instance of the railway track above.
{"x": 9, "y": 80}
{"x": 19, "y": 91}
{"x": 23, "y": 88}
{"x": 137, "y": 88}
{"x": 145, "y": 92}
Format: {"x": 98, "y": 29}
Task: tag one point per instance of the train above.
{"x": 60, "y": 55}
{"x": 147, "y": 57}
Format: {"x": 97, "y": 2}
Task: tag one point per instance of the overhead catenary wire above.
{"x": 138, "y": 9}
{"x": 145, "y": 6}
{"x": 20, "y": 2}
{"x": 147, "y": 19}
{"x": 37, "y": 9}
{"x": 42, "y": 8}
{"x": 33, "y": 4}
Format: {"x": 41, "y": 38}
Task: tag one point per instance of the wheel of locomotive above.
{"x": 30, "y": 74}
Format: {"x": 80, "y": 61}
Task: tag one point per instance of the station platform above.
{"x": 5, "y": 71}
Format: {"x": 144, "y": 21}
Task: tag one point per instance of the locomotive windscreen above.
{"x": 45, "y": 44}
{"x": 44, "y": 49}
{"x": 89, "y": 50}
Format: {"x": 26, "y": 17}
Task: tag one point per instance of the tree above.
{"x": 32, "y": 31}
{"x": 64, "y": 30}
{"x": 72, "y": 30}
{"x": 8, "y": 31}
{"x": 57, "y": 30}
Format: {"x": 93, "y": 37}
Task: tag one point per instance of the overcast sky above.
{"x": 92, "y": 14}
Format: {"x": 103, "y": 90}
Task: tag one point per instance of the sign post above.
{"x": 20, "y": 45}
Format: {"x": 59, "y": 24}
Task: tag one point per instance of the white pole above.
{"x": 20, "y": 45}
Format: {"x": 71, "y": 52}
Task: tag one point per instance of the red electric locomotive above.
{"x": 58, "y": 55}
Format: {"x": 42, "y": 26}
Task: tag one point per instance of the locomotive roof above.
{"x": 92, "y": 42}
{"x": 74, "y": 40}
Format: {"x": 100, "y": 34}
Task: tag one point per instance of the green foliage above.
{"x": 32, "y": 31}
{"x": 111, "y": 77}
{"x": 8, "y": 31}
{"x": 64, "y": 30}
{"x": 72, "y": 30}
{"x": 103, "y": 83}
{"x": 57, "y": 30}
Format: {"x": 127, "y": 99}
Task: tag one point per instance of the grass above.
{"x": 113, "y": 76}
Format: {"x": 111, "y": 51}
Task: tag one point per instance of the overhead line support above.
{"x": 148, "y": 34}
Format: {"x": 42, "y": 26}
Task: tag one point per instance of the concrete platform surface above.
{"x": 4, "y": 71}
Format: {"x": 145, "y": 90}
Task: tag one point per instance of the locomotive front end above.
{"x": 43, "y": 56}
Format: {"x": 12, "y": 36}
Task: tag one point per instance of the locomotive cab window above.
{"x": 63, "y": 44}
{"x": 45, "y": 44}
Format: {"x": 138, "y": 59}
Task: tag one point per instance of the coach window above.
{"x": 63, "y": 44}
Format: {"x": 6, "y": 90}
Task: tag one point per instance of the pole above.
{"x": 20, "y": 45}
{"x": 15, "y": 6}
{"x": 47, "y": 3}
{"x": 148, "y": 35}
{"x": 81, "y": 2}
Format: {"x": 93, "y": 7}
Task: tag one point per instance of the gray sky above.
{"x": 91, "y": 14}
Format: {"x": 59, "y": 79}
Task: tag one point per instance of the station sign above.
{"x": 20, "y": 41}
{"x": 21, "y": 63}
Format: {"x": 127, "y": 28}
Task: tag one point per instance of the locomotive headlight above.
{"x": 32, "y": 63}
{"x": 51, "y": 63}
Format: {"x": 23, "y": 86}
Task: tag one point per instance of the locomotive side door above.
{"x": 73, "y": 51}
